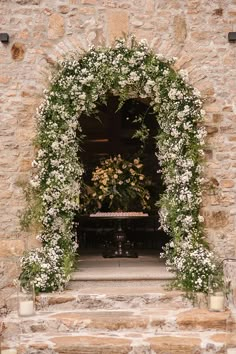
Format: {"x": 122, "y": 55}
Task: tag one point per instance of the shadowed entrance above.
{"x": 111, "y": 132}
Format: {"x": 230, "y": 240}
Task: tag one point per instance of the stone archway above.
{"x": 79, "y": 83}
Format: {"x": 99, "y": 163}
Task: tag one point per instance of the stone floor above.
{"x": 148, "y": 266}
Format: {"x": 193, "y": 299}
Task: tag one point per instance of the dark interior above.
{"x": 109, "y": 132}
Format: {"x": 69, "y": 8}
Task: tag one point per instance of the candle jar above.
{"x": 26, "y": 300}
{"x": 216, "y": 296}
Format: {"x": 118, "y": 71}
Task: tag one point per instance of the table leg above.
{"x": 120, "y": 240}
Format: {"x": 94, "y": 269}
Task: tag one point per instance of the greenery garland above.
{"x": 79, "y": 83}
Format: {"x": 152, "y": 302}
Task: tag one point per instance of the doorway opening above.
{"x": 110, "y": 132}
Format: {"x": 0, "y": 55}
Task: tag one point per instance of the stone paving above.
{"x": 120, "y": 317}
{"x": 148, "y": 266}
{"x": 120, "y": 320}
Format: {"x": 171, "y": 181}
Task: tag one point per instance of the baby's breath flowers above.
{"x": 192, "y": 263}
{"x": 78, "y": 85}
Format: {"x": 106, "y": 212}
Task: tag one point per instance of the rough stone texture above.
{"x": 201, "y": 318}
{"x": 170, "y": 345}
{"x": 103, "y": 345}
{"x": 127, "y": 329}
{"x": 109, "y": 320}
{"x": 9, "y": 248}
{"x": 56, "y": 26}
{"x": 194, "y": 31}
{"x": 117, "y": 24}
{"x": 18, "y": 51}
{"x": 180, "y": 31}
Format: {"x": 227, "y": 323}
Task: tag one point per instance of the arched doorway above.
{"x": 79, "y": 85}
{"x": 109, "y": 132}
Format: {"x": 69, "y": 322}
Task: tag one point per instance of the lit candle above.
{"x": 216, "y": 302}
{"x": 26, "y": 308}
{"x": 9, "y": 351}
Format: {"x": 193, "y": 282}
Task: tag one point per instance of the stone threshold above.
{"x": 154, "y": 273}
{"x": 96, "y": 268}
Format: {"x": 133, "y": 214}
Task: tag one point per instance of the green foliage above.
{"x": 30, "y": 217}
{"x": 79, "y": 83}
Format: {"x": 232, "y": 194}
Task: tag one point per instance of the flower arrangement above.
{"x": 120, "y": 184}
{"x": 79, "y": 83}
{"x": 193, "y": 264}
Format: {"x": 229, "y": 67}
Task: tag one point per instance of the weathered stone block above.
{"x": 227, "y": 183}
{"x": 202, "y": 319}
{"x": 25, "y": 165}
{"x": 217, "y": 118}
{"x": 180, "y": 30}
{"x": 150, "y": 6}
{"x": 117, "y": 24}
{"x": 216, "y": 219}
{"x": 4, "y": 79}
{"x": 211, "y": 129}
{"x": 56, "y": 27}
{"x": 174, "y": 345}
{"x": 64, "y": 9}
{"x": 9, "y": 248}
{"x": 18, "y": 51}
{"x": 104, "y": 345}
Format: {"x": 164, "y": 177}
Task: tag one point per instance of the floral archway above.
{"x": 79, "y": 83}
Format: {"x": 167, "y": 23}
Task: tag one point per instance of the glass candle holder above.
{"x": 216, "y": 296}
{"x": 26, "y": 300}
{"x": 216, "y": 301}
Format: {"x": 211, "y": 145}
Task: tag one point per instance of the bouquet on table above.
{"x": 120, "y": 185}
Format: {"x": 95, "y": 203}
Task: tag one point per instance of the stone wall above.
{"x": 41, "y": 31}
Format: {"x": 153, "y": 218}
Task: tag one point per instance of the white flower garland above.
{"x": 79, "y": 83}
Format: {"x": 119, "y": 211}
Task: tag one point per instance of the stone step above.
{"x": 113, "y": 298}
{"x": 76, "y": 283}
{"x": 103, "y": 297}
{"x": 141, "y": 272}
{"x": 153, "y": 320}
{"x": 206, "y": 342}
